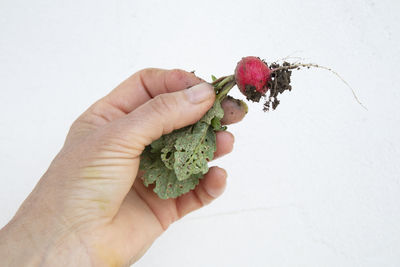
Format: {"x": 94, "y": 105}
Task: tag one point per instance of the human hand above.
{"x": 90, "y": 208}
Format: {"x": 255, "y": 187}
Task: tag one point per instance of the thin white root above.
{"x": 311, "y": 65}
{"x": 291, "y": 56}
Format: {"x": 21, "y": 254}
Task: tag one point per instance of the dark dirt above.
{"x": 279, "y": 83}
{"x": 252, "y": 94}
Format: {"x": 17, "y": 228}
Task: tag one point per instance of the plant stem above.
{"x": 226, "y": 80}
{"x": 217, "y": 81}
{"x": 223, "y": 85}
{"x": 225, "y": 90}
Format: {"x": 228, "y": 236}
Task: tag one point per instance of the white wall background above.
{"x": 316, "y": 183}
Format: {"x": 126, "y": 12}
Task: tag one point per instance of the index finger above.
{"x": 146, "y": 84}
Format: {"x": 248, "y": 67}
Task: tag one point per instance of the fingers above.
{"x": 234, "y": 110}
{"x": 225, "y": 142}
{"x": 210, "y": 187}
{"x": 144, "y": 85}
{"x": 148, "y": 83}
{"x": 163, "y": 114}
{"x": 168, "y": 211}
{"x": 136, "y": 90}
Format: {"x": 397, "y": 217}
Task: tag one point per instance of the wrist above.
{"x": 37, "y": 236}
{"x": 25, "y": 243}
{"x": 17, "y": 247}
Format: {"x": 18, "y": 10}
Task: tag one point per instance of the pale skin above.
{"x": 91, "y": 208}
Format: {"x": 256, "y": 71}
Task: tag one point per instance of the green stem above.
{"x": 225, "y": 81}
{"x": 223, "y": 85}
{"x": 217, "y": 81}
{"x": 224, "y": 91}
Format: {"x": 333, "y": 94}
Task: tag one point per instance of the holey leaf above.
{"x": 215, "y": 112}
{"x": 166, "y": 183}
{"x": 194, "y": 151}
{"x": 176, "y": 161}
{"x": 168, "y": 149}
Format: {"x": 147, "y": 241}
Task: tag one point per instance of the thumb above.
{"x": 120, "y": 143}
{"x": 163, "y": 114}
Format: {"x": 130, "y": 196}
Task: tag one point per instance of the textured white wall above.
{"x": 316, "y": 183}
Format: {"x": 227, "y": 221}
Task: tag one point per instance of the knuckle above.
{"x": 141, "y": 73}
{"x": 144, "y": 71}
{"x": 178, "y": 79}
{"x": 182, "y": 79}
{"x": 177, "y": 74}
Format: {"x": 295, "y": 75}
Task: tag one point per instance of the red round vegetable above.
{"x": 252, "y": 75}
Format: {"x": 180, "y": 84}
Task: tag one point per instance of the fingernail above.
{"x": 200, "y": 93}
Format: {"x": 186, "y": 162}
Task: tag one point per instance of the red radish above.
{"x": 256, "y": 80}
{"x": 252, "y": 75}
{"x": 194, "y": 146}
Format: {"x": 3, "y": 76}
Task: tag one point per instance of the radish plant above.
{"x": 176, "y": 162}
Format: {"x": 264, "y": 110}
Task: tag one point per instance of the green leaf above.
{"x": 216, "y": 124}
{"x": 168, "y": 149}
{"x": 147, "y": 158}
{"x": 176, "y": 161}
{"x": 215, "y": 112}
{"x": 166, "y": 183}
{"x": 213, "y": 78}
{"x": 194, "y": 151}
